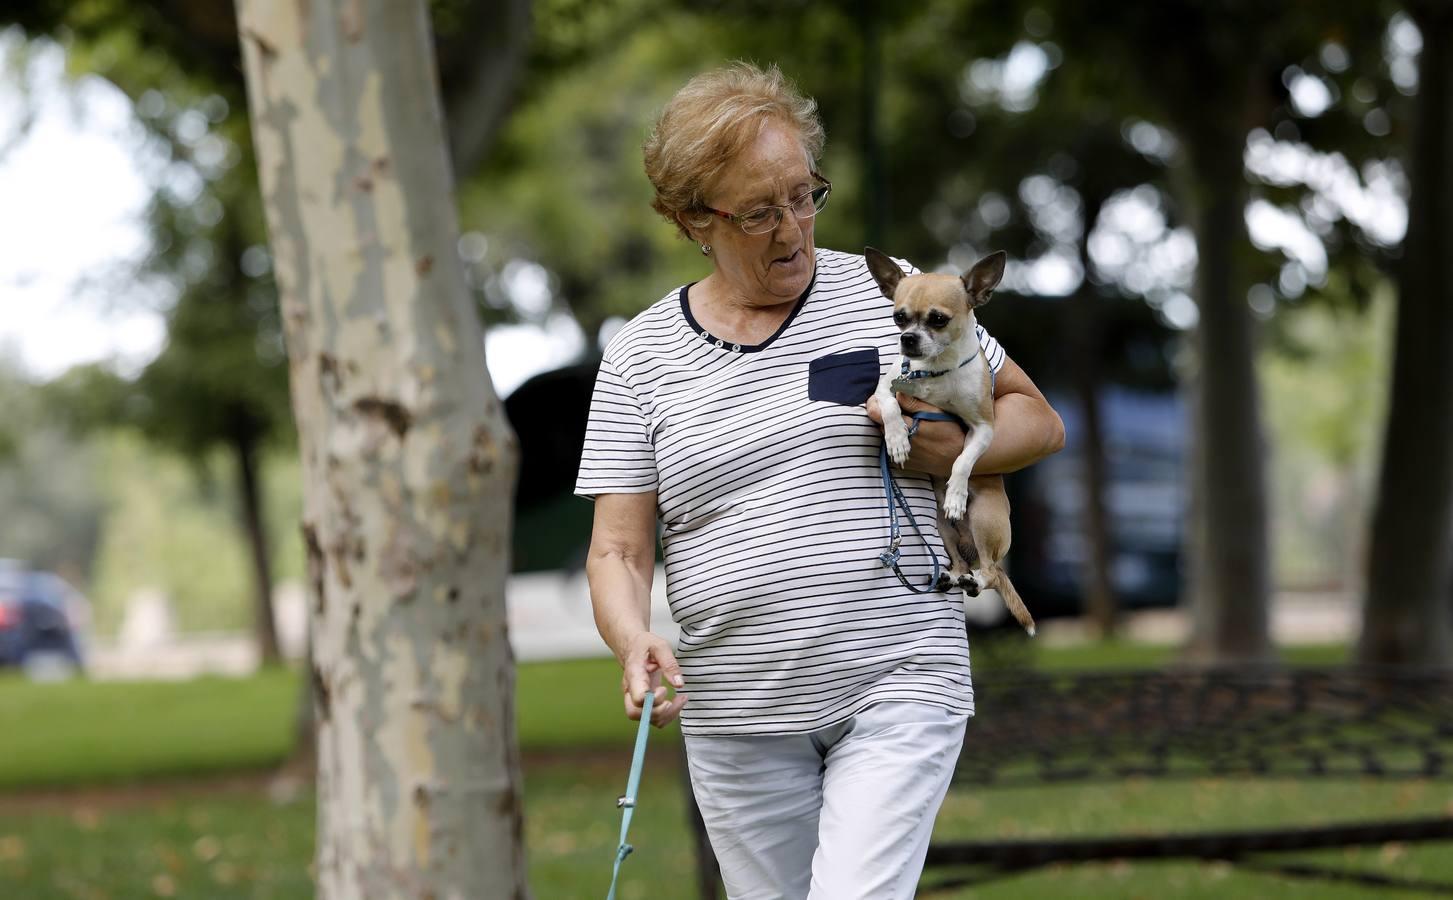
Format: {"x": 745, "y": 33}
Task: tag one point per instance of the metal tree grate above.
{"x": 1035, "y": 728}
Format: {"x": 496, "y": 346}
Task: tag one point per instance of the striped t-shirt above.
{"x": 765, "y": 468}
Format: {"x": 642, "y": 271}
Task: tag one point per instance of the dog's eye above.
{"x": 900, "y": 317}
{"x": 937, "y": 320}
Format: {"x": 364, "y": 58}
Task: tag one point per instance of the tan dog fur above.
{"x": 936, "y": 316}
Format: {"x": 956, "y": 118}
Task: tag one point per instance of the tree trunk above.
{"x": 1230, "y": 569}
{"x": 1406, "y": 615}
{"x": 264, "y": 625}
{"x": 408, "y": 459}
{"x": 1083, "y": 338}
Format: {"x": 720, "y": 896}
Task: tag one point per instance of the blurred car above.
{"x": 1145, "y": 499}
{"x": 43, "y": 621}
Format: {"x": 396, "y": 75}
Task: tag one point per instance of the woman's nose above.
{"x": 789, "y": 229}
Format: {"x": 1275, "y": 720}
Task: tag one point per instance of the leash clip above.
{"x": 889, "y": 557}
{"x": 625, "y": 802}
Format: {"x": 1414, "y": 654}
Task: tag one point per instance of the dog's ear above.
{"x": 885, "y": 271}
{"x": 981, "y": 280}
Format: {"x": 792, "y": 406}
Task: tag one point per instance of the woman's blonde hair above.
{"x": 709, "y": 121}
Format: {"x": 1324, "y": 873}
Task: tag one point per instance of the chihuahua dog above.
{"x": 942, "y": 364}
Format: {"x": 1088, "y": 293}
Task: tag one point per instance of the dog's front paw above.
{"x": 956, "y": 500}
{"x": 898, "y": 444}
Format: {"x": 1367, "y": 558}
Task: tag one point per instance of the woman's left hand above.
{"x": 936, "y": 444}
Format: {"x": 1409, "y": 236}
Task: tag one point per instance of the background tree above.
{"x": 48, "y": 485}
{"x": 1408, "y": 613}
{"x": 408, "y": 460}
{"x": 1218, "y": 85}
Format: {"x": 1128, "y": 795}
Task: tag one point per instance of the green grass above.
{"x": 239, "y": 846}
{"x": 228, "y": 842}
{"x": 83, "y": 732}
{"x": 97, "y": 732}
{"x": 79, "y": 733}
{"x": 227, "y": 846}
{"x": 574, "y": 705}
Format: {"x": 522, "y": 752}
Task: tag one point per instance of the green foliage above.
{"x": 50, "y": 501}
{"x": 565, "y": 186}
{"x": 1324, "y": 393}
{"x": 170, "y": 527}
{"x": 221, "y": 379}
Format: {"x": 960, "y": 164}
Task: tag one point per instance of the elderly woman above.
{"x": 827, "y": 701}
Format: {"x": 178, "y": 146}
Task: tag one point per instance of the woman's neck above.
{"x": 733, "y": 316}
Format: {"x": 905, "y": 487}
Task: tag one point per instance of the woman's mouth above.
{"x": 788, "y": 259}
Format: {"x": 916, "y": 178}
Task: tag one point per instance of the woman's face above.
{"x": 776, "y": 266}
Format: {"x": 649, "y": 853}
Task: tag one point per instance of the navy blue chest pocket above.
{"x": 847, "y": 378}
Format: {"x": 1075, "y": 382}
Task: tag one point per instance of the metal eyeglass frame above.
{"x": 738, "y": 219}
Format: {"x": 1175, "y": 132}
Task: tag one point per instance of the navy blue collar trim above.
{"x": 707, "y": 337}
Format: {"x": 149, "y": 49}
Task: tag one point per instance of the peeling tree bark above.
{"x": 408, "y": 460}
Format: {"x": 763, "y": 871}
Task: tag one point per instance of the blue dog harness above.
{"x": 926, "y": 373}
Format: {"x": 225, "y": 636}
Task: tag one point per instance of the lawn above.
{"x": 236, "y": 838}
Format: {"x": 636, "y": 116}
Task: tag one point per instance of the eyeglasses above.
{"x": 766, "y": 218}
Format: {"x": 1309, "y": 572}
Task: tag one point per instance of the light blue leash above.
{"x": 895, "y": 498}
{"x": 627, "y": 802}
{"x": 893, "y": 494}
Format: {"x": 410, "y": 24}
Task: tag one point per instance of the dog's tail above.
{"x": 999, "y": 580}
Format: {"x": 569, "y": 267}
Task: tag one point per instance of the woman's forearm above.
{"x": 620, "y": 597}
{"x": 620, "y": 565}
{"x": 1026, "y": 430}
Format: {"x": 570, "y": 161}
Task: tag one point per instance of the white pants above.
{"x": 840, "y": 813}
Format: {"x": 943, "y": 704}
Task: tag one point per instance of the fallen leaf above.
{"x": 12, "y": 848}
{"x": 206, "y": 848}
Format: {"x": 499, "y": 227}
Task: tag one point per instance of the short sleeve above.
{"x": 618, "y": 457}
{"x": 993, "y": 352}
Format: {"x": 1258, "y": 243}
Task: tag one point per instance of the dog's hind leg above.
{"x": 959, "y": 544}
{"x": 989, "y": 524}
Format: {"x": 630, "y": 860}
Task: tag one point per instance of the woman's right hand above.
{"x": 648, "y": 658}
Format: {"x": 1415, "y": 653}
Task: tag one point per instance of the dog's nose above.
{"x": 908, "y": 341}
